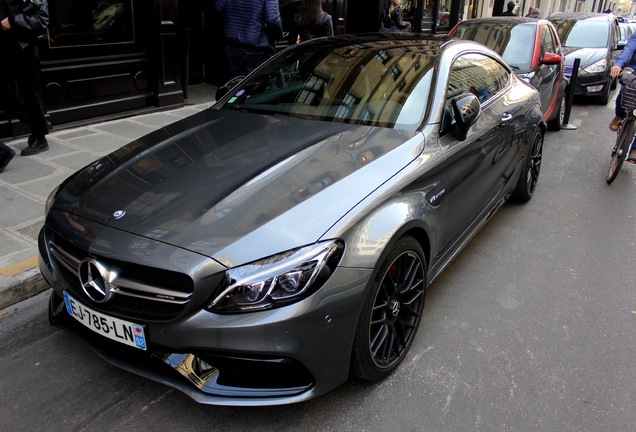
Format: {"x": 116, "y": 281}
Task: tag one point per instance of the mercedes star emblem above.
{"x": 95, "y": 281}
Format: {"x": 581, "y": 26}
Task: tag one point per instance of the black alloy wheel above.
{"x": 529, "y": 177}
{"x": 391, "y": 313}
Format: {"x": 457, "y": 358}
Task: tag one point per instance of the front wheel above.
{"x": 556, "y": 123}
{"x": 621, "y": 148}
{"x": 529, "y": 177}
{"x": 605, "y": 97}
{"x": 391, "y": 312}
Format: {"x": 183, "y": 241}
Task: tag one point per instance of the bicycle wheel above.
{"x": 621, "y": 148}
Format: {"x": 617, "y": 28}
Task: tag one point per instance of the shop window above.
{"x": 90, "y": 22}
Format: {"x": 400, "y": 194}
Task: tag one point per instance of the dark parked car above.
{"x": 594, "y": 39}
{"x": 258, "y": 252}
{"x": 532, "y": 49}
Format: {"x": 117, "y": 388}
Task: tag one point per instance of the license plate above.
{"x": 125, "y": 332}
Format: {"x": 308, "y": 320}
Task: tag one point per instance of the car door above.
{"x": 478, "y": 167}
{"x": 547, "y": 76}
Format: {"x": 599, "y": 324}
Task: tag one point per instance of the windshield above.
{"x": 583, "y": 34}
{"x": 515, "y": 43}
{"x": 383, "y": 84}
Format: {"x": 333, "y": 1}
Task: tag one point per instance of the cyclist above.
{"x": 627, "y": 58}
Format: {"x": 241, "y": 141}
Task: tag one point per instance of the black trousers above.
{"x": 20, "y": 88}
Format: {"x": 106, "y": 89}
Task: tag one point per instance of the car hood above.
{"x": 588, "y": 56}
{"x": 224, "y": 179}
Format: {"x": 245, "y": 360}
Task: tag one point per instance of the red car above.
{"x": 532, "y": 48}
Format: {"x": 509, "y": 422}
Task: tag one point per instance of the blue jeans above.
{"x": 245, "y": 60}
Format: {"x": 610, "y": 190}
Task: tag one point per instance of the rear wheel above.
{"x": 529, "y": 177}
{"x": 391, "y": 313}
{"x": 621, "y": 148}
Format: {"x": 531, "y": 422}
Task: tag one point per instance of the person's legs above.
{"x": 235, "y": 58}
{"x": 243, "y": 61}
{"x": 6, "y": 154}
{"x": 253, "y": 59}
{"x": 29, "y": 88}
{"x": 10, "y": 102}
{"x": 619, "y": 112}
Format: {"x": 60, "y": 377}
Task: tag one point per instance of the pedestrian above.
{"x": 310, "y": 22}
{"x": 22, "y": 22}
{"x": 510, "y": 7}
{"x": 533, "y": 13}
{"x": 250, "y": 31}
{"x": 391, "y": 18}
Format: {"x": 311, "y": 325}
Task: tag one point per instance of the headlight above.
{"x": 594, "y": 68}
{"x": 277, "y": 280}
{"x": 49, "y": 200}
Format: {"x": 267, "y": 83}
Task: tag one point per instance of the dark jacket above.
{"x": 252, "y": 24}
{"x": 392, "y": 21}
{"x": 28, "y": 18}
{"x": 321, "y": 27}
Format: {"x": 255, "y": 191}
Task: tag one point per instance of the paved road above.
{"x": 531, "y": 328}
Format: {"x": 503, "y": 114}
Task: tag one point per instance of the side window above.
{"x": 475, "y": 73}
{"x": 478, "y": 74}
{"x": 547, "y": 42}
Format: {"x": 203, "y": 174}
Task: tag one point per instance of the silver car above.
{"x": 258, "y": 252}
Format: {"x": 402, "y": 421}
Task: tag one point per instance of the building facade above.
{"x": 108, "y": 58}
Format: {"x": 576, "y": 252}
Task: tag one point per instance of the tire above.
{"x": 391, "y": 312}
{"x": 529, "y": 177}
{"x": 605, "y": 97}
{"x": 624, "y": 140}
{"x": 556, "y": 123}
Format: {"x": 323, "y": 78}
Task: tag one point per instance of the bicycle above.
{"x": 626, "y": 130}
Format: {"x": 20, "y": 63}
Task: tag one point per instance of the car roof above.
{"x": 499, "y": 20}
{"x": 593, "y": 16}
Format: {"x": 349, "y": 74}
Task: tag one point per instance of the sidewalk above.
{"x": 27, "y": 181}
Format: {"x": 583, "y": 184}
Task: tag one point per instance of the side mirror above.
{"x": 225, "y": 88}
{"x": 466, "y": 109}
{"x": 551, "y": 58}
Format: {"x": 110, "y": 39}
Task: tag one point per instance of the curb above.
{"x": 21, "y": 287}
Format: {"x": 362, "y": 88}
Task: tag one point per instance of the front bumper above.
{"x": 590, "y": 85}
{"x": 279, "y": 356}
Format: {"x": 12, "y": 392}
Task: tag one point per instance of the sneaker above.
{"x": 615, "y": 123}
{"x": 37, "y": 145}
{"x": 6, "y": 154}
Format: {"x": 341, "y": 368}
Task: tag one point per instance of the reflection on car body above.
{"x": 258, "y": 252}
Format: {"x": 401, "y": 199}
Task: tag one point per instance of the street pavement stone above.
{"x": 27, "y": 181}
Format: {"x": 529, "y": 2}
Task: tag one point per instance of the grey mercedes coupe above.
{"x": 262, "y": 251}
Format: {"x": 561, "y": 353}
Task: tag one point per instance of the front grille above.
{"x": 140, "y": 292}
